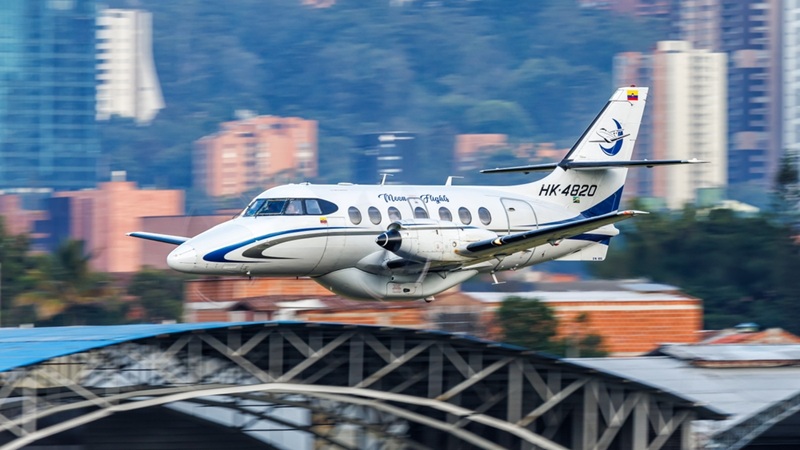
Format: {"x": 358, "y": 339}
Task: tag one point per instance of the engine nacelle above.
{"x": 430, "y": 240}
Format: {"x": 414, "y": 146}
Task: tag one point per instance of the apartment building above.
{"x": 251, "y": 153}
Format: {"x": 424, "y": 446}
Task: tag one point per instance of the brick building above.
{"x": 246, "y": 154}
{"x": 101, "y": 217}
{"x": 632, "y": 318}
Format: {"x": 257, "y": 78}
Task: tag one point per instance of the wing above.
{"x": 512, "y": 243}
{"x": 166, "y": 238}
{"x": 593, "y": 165}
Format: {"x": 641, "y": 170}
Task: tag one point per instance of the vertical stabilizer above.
{"x": 609, "y": 140}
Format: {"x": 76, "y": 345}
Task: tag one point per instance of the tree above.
{"x": 15, "y": 262}
{"x": 787, "y": 189}
{"x": 741, "y": 267}
{"x": 65, "y": 291}
{"x": 530, "y": 323}
{"x": 160, "y": 293}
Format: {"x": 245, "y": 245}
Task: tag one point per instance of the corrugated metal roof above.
{"x": 733, "y": 352}
{"x": 580, "y": 296}
{"x": 740, "y": 392}
{"x": 21, "y": 347}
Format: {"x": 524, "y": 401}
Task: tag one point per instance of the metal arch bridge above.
{"x": 398, "y": 388}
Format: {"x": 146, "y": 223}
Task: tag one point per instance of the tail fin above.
{"x": 612, "y": 134}
{"x": 589, "y": 180}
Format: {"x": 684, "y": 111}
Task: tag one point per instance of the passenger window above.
{"x": 374, "y": 215}
{"x": 444, "y": 214}
{"x": 484, "y": 215}
{"x": 355, "y": 215}
{"x": 312, "y": 207}
{"x": 294, "y": 208}
{"x": 464, "y": 215}
{"x": 394, "y": 214}
{"x": 420, "y": 213}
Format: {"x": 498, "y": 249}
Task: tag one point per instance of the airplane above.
{"x": 396, "y": 242}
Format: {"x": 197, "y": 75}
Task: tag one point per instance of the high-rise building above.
{"x": 749, "y": 31}
{"x": 127, "y": 84}
{"x": 689, "y": 120}
{"x": 686, "y": 118}
{"x": 698, "y": 22}
{"x": 751, "y": 35}
{"x": 636, "y": 69}
{"x": 791, "y": 77}
{"x": 48, "y": 136}
{"x": 248, "y": 154}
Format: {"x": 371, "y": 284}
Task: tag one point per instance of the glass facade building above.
{"x": 48, "y": 133}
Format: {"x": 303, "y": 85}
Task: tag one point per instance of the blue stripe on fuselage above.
{"x": 219, "y": 255}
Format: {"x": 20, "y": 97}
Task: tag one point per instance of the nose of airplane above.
{"x": 183, "y": 258}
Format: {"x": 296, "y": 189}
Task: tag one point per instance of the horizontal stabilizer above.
{"x": 553, "y": 234}
{"x": 166, "y": 238}
{"x": 592, "y": 165}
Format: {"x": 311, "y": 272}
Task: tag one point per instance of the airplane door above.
{"x": 520, "y": 215}
{"x": 335, "y": 244}
{"x": 418, "y": 208}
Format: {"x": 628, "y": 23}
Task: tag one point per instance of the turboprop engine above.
{"x": 430, "y": 240}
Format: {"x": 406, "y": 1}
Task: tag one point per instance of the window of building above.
{"x": 464, "y": 215}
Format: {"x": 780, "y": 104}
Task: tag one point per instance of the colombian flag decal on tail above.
{"x": 633, "y": 95}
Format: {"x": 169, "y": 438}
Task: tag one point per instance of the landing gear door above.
{"x": 520, "y": 215}
{"x": 418, "y": 208}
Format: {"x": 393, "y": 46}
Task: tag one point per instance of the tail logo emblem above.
{"x": 612, "y": 136}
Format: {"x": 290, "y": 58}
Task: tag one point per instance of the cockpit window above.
{"x": 272, "y": 207}
{"x": 253, "y": 208}
{"x": 294, "y": 208}
{"x": 312, "y": 206}
{"x": 289, "y": 207}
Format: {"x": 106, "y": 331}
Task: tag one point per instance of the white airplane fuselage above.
{"x": 322, "y": 245}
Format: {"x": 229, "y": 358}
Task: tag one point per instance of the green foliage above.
{"x": 787, "y": 190}
{"x": 530, "y": 323}
{"x": 743, "y": 268}
{"x": 160, "y": 294}
{"x": 530, "y": 69}
{"x": 64, "y": 291}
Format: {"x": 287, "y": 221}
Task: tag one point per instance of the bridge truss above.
{"x": 354, "y": 387}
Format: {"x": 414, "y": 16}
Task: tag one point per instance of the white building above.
{"x": 127, "y": 84}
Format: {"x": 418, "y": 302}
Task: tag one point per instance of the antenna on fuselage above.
{"x": 449, "y": 181}
{"x": 383, "y": 178}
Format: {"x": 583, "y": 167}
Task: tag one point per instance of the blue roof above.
{"x": 20, "y": 347}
